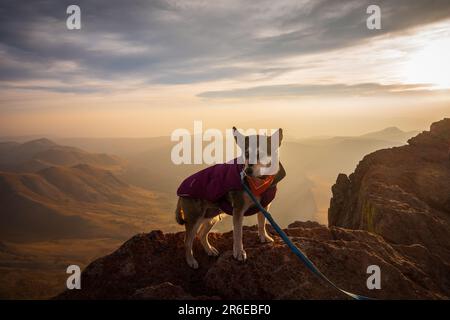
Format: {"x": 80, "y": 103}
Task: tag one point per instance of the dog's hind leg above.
{"x": 191, "y": 232}
{"x": 238, "y": 247}
{"x": 262, "y": 232}
{"x": 206, "y": 227}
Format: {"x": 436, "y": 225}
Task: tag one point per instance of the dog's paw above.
{"x": 265, "y": 238}
{"x": 211, "y": 251}
{"x": 192, "y": 263}
{"x": 240, "y": 255}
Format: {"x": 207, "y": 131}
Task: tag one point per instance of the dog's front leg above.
{"x": 262, "y": 232}
{"x": 238, "y": 246}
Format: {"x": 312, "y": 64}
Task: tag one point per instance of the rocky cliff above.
{"x": 152, "y": 266}
{"x": 402, "y": 193}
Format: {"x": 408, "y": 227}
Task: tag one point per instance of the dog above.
{"x": 207, "y": 194}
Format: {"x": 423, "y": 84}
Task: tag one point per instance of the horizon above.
{"x": 287, "y": 137}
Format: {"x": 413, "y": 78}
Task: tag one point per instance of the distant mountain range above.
{"x": 50, "y": 191}
{"x": 392, "y": 134}
{"x": 38, "y": 154}
{"x": 312, "y": 164}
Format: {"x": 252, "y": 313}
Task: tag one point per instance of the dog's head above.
{"x": 260, "y": 152}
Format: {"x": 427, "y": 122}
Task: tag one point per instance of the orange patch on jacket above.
{"x": 258, "y": 185}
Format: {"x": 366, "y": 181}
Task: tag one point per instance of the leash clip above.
{"x": 243, "y": 175}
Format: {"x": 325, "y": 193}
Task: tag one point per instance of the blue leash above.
{"x": 308, "y": 263}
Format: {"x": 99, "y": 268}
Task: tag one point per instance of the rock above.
{"x": 307, "y": 224}
{"x": 165, "y": 289}
{"x": 402, "y": 193}
{"x": 272, "y": 271}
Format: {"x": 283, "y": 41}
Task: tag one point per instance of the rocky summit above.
{"x": 392, "y": 212}
{"x": 402, "y": 193}
{"x": 152, "y": 266}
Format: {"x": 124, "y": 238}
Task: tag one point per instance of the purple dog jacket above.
{"x": 213, "y": 183}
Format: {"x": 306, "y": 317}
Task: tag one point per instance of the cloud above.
{"x": 59, "y": 89}
{"x": 171, "y": 42}
{"x": 299, "y": 90}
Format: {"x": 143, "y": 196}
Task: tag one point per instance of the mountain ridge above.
{"x": 407, "y": 185}
{"x": 34, "y": 155}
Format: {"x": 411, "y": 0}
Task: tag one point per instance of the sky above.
{"x": 145, "y": 68}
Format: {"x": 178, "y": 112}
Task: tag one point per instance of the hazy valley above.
{"x": 67, "y": 201}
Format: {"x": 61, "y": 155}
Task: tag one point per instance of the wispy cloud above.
{"x": 172, "y": 42}
{"x": 298, "y": 90}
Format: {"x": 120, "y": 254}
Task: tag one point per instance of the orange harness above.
{"x": 258, "y": 185}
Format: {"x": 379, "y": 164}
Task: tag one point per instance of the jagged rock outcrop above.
{"x": 402, "y": 193}
{"x": 152, "y": 266}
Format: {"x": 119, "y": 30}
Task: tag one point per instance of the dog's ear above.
{"x": 241, "y": 140}
{"x": 280, "y": 174}
{"x": 279, "y": 132}
{"x": 237, "y": 135}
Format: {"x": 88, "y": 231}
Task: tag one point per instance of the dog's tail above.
{"x": 179, "y": 214}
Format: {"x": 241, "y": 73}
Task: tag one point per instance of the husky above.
{"x": 209, "y": 193}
